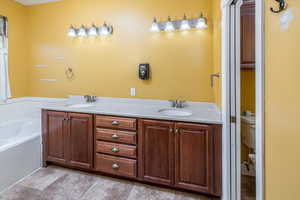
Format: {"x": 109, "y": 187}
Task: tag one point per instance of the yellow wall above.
{"x": 216, "y": 50}
{"x": 248, "y": 90}
{"x": 282, "y": 106}
{"x": 18, "y": 71}
{"x": 181, "y": 63}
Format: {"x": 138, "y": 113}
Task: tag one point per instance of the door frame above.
{"x": 227, "y": 144}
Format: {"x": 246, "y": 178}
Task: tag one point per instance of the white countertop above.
{"x": 140, "y": 108}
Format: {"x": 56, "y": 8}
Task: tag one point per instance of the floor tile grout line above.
{"x": 90, "y": 188}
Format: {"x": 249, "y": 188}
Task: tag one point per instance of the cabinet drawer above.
{"x": 116, "y": 122}
{"x": 116, "y": 149}
{"x": 115, "y": 165}
{"x": 126, "y": 137}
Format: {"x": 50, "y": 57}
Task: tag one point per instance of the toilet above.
{"x": 248, "y": 126}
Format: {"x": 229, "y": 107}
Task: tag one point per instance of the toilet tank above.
{"x": 248, "y": 131}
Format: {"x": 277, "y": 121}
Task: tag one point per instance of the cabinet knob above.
{"x": 115, "y": 166}
{"x": 171, "y": 130}
{"x": 115, "y": 123}
{"x": 115, "y": 149}
{"x": 176, "y": 130}
{"x": 115, "y": 136}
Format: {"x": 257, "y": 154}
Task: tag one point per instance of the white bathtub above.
{"x": 20, "y": 142}
{"x": 15, "y": 132}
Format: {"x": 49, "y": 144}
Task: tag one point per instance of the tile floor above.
{"x": 248, "y": 188}
{"x": 55, "y": 183}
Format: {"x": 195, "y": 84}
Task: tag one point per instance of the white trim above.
{"x": 226, "y": 144}
{"x": 260, "y": 79}
{"x": 233, "y": 101}
{"x": 238, "y": 6}
{"x": 35, "y": 2}
{"x": 226, "y": 169}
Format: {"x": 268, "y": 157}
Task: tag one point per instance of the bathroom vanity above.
{"x": 174, "y": 153}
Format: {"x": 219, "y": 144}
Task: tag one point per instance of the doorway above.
{"x": 242, "y": 61}
{"x": 247, "y": 101}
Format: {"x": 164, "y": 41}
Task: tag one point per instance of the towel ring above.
{"x": 69, "y": 73}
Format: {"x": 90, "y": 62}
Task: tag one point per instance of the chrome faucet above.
{"x": 90, "y": 99}
{"x": 177, "y": 103}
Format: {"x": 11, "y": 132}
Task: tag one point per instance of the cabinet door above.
{"x": 248, "y": 35}
{"x": 194, "y": 157}
{"x": 54, "y": 137}
{"x": 156, "y": 151}
{"x": 80, "y": 136}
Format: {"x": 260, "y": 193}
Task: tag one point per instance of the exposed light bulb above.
{"x": 201, "y": 23}
{"x": 185, "y": 24}
{"x": 82, "y": 31}
{"x": 93, "y": 31}
{"x": 169, "y": 25}
{"x": 154, "y": 26}
{"x": 104, "y": 30}
{"x": 72, "y": 32}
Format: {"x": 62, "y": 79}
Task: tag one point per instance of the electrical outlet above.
{"x": 132, "y": 92}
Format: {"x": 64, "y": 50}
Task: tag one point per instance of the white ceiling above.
{"x": 34, "y": 2}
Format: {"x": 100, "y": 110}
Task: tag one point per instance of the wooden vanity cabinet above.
{"x": 115, "y": 146}
{"x": 68, "y": 139}
{"x": 80, "y": 140}
{"x": 195, "y": 158}
{"x": 175, "y": 154}
{"x": 54, "y": 137}
{"x": 182, "y": 155}
{"x": 156, "y": 151}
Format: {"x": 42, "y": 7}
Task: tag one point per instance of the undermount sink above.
{"x": 176, "y": 112}
{"x": 79, "y": 105}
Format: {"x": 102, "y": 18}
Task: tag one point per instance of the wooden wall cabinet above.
{"x": 248, "y": 35}
{"x": 183, "y": 155}
{"x": 68, "y": 139}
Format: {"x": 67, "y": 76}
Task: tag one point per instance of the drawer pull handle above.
{"x": 115, "y": 149}
{"x": 115, "y": 123}
{"x": 115, "y": 166}
{"x": 115, "y": 136}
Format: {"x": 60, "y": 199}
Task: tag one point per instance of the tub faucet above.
{"x": 177, "y": 103}
{"x": 90, "y": 99}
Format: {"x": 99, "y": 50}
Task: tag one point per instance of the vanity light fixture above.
{"x": 105, "y": 30}
{"x": 72, "y": 31}
{"x": 82, "y": 31}
{"x": 185, "y": 25}
{"x": 169, "y": 25}
{"x": 93, "y": 31}
{"x": 201, "y": 22}
{"x": 155, "y": 26}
